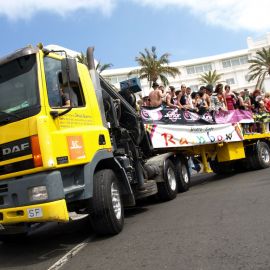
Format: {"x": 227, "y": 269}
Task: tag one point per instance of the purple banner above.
{"x": 164, "y": 115}
{"x": 234, "y": 116}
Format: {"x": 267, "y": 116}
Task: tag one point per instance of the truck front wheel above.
{"x": 107, "y": 215}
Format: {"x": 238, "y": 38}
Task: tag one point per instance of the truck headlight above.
{"x": 38, "y": 193}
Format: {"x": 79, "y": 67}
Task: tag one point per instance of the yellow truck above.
{"x": 70, "y": 143}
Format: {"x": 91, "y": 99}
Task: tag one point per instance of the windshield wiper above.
{"x": 8, "y": 118}
{"x": 10, "y": 114}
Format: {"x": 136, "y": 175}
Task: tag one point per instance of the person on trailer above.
{"x": 156, "y": 95}
{"x": 171, "y": 98}
{"x": 230, "y": 98}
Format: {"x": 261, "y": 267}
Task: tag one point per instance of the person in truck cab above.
{"x": 68, "y": 96}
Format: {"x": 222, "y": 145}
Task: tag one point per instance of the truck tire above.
{"x": 221, "y": 167}
{"x": 260, "y": 158}
{"x": 167, "y": 190}
{"x": 107, "y": 214}
{"x": 183, "y": 175}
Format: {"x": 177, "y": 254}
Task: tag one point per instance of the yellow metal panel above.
{"x": 231, "y": 151}
{"x": 52, "y": 211}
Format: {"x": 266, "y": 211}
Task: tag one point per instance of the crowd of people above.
{"x": 207, "y": 98}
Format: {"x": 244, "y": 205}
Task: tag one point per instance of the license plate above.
{"x": 34, "y": 212}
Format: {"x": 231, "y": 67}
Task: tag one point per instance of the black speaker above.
{"x": 133, "y": 85}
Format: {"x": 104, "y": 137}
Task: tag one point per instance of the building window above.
{"x": 207, "y": 67}
{"x": 244, "y": 59}
{"x": 199, "y": 68}
{"x": 113, "y": 80}
{"x": 226, "y": 63}
{"x": 236, "y": 61}
{"x": 230, "y": 81}
{"x": 190, "y": 70}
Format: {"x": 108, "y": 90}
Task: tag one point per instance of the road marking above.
{"x": 60, "y": 263}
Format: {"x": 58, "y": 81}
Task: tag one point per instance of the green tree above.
{"x": 153, "y": 68}
{"x": 82, "y": 58}
{"x": 210, "y": 77}
{"x": 99, "y": 67}
{"x": 260, "y": 67}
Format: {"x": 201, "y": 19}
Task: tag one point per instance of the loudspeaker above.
{"x": 133, "y": 85}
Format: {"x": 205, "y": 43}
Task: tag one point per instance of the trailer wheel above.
{"x": 183, "y": 175}
{"x": 261, "y": 156}
{"x": 107, "y": 215}
{"x": 167, "y": 190}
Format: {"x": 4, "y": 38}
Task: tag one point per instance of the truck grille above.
{"x": 17, "y": 166}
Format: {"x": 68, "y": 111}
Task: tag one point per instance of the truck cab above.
{"x": 48, "y": 150}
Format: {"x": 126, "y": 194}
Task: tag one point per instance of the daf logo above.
{"x": 15, "y": 149}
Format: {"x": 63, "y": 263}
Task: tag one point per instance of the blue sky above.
{"x": 120, "y": 29}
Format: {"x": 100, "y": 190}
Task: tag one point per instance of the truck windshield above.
{"x": 19, "y": 89}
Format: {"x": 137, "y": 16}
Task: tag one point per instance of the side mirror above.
{"x": 69, "y": 71}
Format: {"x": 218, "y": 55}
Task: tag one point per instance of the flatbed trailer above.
{"x": 221, "y": 148}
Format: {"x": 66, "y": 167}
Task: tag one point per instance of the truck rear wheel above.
{"x": 167, "y": 190}
{"x": 260, "y": 158}
{"x": 183, "y": 175}
{"x": 107, "y": 215}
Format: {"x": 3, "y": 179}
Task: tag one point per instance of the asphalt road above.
{"x": 220, "y": 223}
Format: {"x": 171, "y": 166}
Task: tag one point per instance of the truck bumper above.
{"x": 51, "y": 211}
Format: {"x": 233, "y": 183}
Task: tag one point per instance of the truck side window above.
{"x": 57, "y": 93}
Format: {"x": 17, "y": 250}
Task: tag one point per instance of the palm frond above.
{"x": 260, "y": 66}
{"x": 154, "y": 67}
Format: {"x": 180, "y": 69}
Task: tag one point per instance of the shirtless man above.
{"x": 156, "y": 96}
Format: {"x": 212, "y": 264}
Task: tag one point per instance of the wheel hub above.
{"x": 171, "y": 178}
{"x": 185, "y": 174}
{"x": 265, "y": 156}
{"x": 116, "y": 201}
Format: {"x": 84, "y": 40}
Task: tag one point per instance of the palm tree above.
{"x": 82, "y": 58}
{"x": 153, "y": 68}
{"x": 99, "y": 67}
{"x": 210, "y": 77}
{"x": 260, "y": 66}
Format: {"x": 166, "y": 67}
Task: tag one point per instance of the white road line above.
{"x": 60, "y": 263}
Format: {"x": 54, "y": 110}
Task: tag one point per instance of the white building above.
{"x": 232, "y": 65}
